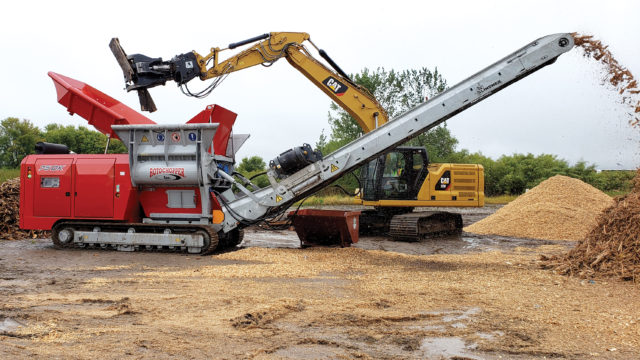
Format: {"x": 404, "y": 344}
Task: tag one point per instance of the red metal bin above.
{"x": 326, "y": 227}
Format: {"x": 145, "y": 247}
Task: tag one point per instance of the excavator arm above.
{"x": 142, "y": 72}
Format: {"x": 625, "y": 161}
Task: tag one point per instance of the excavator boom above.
{"x": 142, "y": 72}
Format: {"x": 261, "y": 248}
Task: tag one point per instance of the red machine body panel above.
{"x": 98, "y": 108}
{"x": 54, "y": 187}
{"x": 155, "y": 200}
{"x": 92, "y": 174}
{"x": 222, "y": 116}
{"x": 74, "y": 186}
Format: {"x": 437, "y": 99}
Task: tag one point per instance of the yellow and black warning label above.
{"x": 144, "y": 138}
{"x": 334, "y": 168}
{"x": 278, "y": 198}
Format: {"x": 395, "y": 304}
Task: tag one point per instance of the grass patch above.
{"x": 614, "y": 193}
{"x": 501, "y": 199}
{"x": 6, "y": 174}
{"x": 327, "y": 200}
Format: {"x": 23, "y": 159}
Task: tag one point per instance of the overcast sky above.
{"x": 562, "y": 109}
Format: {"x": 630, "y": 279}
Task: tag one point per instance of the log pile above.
{"x": 612, "y": 247}
{"x": 10, "y": 213}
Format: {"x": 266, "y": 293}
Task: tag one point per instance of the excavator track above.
{"x": 63, "y": 232}
{"x": 418, "y": 225}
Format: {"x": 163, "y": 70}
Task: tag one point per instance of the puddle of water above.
{"x": 446, "y": 347}
{"x": 490, "y": 336}
{"x": 438, "y": 328}
{"x": 464, "y": 316}
{"x": 9, "y": 325}
{"x": 308, "y": 352}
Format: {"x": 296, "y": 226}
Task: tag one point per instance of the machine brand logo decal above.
{"x": 166, "y": 173}
{"x": 444, "y": 182}
{"x": 336, "y": 86}
{"x": 51, "y": 168}
{"x": 480, "y": 89}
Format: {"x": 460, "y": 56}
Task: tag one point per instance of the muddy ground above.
{"x": 461, "y": 297}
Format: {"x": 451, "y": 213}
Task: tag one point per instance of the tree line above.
{"x": 18, "y": 139}
{"x": 397, "y": 92}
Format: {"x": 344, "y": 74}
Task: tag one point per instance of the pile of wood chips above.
{"x": 612, "y": 247}
{"x": 10, "y": 215}
{"x": 560, "y": 208}
{"x": 617, "y": 75}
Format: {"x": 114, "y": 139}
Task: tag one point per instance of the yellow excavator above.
{"x": 394, "y": 183}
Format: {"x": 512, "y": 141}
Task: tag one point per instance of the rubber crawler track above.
{"x": 418, "y": 225}
{"x": 123, "y": 227}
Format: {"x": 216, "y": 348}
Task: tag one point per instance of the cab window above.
{"x": 393, "y": 165}
{"x": 417, "y": 161}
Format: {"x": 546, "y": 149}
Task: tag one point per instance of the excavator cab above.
{"x": 392, "y": 184}
{"x": 397, "y": 175}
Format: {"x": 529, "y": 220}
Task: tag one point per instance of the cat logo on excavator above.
{"x": 336, "y": 86}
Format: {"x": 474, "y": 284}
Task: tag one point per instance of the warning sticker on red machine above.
{"x": 166, "y": 173}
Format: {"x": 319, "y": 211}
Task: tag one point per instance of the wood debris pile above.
{"x": 617, "y": 75}
{"x": 612, "y": 247}
{"x": 559, "y": 208}
{"x": 9, "y": 213}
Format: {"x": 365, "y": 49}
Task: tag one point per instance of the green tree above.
{"x": 396, "y": 91}
{"x": 17, "y": 140}
{"x": 439, "y": 142}
{"x": 252, "y": 166}
{"x": 81, "y": 140}
{"x": 614, "y": 180}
